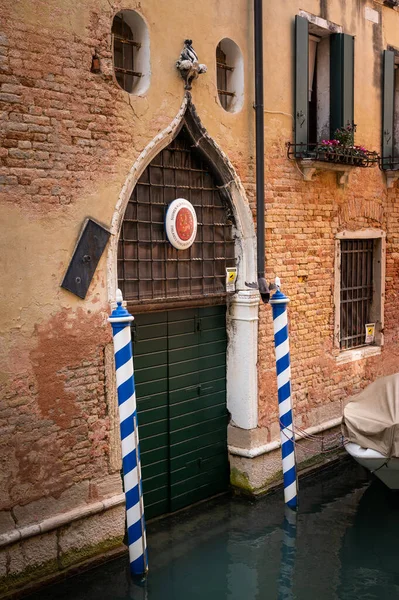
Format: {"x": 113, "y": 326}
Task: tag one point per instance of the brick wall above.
{"x": 302, "y": 220}
{"x": 65, "y": 135}
{"x": 60, "y": 126}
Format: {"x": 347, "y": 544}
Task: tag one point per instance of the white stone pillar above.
{"x": 242, "y": 358}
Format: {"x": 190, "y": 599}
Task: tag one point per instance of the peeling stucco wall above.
{"x": 69, "y": 139}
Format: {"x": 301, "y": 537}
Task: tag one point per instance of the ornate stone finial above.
{"x": 188, "y": 64}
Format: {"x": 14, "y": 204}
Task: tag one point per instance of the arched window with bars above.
{"x": 222, "y": 69}
{"x": 130, "y": 43}
{"x": 229, "y": 75}
{"x": 149, "y": 267}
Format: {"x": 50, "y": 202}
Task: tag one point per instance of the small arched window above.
{"x": 222, "y": 68}
{"x": 130, "y": 42}
{"x": 230, "y": 75}
{"x": 124, "y": 53}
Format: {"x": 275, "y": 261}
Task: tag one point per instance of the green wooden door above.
{"x": 180, "y": 373}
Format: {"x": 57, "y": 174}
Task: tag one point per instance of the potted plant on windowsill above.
{"x": 342, "y": 149}
{"x": 339, "y": 154}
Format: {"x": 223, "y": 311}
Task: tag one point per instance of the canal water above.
{"x": 342, "y": 545}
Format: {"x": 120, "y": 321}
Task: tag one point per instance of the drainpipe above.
{"x": 260, "y": 151}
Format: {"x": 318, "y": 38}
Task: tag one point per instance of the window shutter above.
{"x": 341, "y": 80}
{"x": 301, "y": 80}
{"x": 388, "y": 108}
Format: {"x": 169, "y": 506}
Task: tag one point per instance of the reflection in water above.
{"x": 288, "y": 551}
{"x": 369, "y": 551}
{"x": 341, "y": 545}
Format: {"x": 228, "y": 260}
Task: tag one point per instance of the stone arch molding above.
{"x": 242, "y": 314}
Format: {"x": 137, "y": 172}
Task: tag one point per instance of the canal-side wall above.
{"x": 59, "y": 543}
{"x": 255, "y": 465}
{"x": 305, "y": 221}
{"x": 69, "y": 138}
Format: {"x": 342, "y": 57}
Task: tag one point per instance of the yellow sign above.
{"x": 370, "y": 333}
{"x": 231, "y": 276}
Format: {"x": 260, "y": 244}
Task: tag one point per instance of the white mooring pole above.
{"x": 279, "y": 304}
{"x": 288, "y": 552}
{"x": 120, "y": 320}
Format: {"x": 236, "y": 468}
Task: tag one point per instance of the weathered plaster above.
{"x": 69, "y": 139}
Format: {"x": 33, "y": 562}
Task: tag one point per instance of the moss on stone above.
{"x": 74, "y": 557}
{"x": 78, "y": 555}
{"x": 319, "y": 459}
{"x": 28, "y": 575}
{"x": 240, "y": 481}
{"x": 274, "y": 479}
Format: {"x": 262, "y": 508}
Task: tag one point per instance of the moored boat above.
{"x": 371, "y": 427}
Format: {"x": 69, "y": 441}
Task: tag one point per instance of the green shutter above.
{"x": 388, "y": 108}
{"x": 341, "y": 81}
{"x": 301, "y": 80}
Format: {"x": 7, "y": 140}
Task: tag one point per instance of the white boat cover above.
{"x": 371, "y": 418}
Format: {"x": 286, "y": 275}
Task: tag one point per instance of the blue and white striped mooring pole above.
{"x": 279, "y": 304}
{"x": 288, "y": 552}
{"x": 120, "y": 320}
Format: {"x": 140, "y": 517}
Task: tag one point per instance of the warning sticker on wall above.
{"x": 231, "y": 277}
{"x": 370, "y": 333}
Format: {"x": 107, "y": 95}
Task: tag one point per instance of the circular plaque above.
{"x": 181, "y": 224}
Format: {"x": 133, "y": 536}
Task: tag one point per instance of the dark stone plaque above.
{"x": 88, "y": 251}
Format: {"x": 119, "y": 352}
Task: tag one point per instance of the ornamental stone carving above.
{"x": 188, "y": 64}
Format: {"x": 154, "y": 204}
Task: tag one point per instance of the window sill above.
{"x": 310, "y": 167}
{"x": 392, "y": 175}
{"x": 357, "y": 354}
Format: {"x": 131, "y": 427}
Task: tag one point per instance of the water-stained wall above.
{"x": 69, "y": 138}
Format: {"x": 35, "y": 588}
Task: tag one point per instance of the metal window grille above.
{"x": 148, "y": 265}
{"x": 124, "y": 53}
{"x": 356, "y": 291}
{"x": 222, "y": 70}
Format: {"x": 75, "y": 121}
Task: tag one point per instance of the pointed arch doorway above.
{"x": 189, "y": 335}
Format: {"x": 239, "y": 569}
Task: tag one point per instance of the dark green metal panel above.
{"x": 301, "y": 80}
{"x": 204, "y": 485}
{"x": 194, "y": 471}
{"x": 342, "y": 55}
{"x": 152, "y": 442}
{"x": 388, "y": 108}
{"x": 154, "y": 455}
{"x": 150, "y": 348}
{"x": 196, "y": 417}
{"x": 214, "y": 449}
{"x": 180, "y": 372}
{"x": 196, "y": 443}
{"x": 198, "y": 435}
{"x": 181, "y": 436}
{"x": 206, "y": 400}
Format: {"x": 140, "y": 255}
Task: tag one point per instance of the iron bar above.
{"x": 149, "y": 268}
{"x": 389, "y": 163}
{"x": 226, "y": 93}
{"x": 128, "y": 72}
{"x": 356, "y": 290}
{"x": 126, "y": 41}
{"x": 224, "y": 66}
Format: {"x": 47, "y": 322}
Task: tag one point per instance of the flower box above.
{"x": 338, "y": 151}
